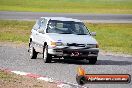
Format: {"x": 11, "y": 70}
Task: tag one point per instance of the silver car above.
{"x": 59, "y": 37}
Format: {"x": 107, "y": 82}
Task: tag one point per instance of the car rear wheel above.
{"x": 32, "y": 52}
{"x": 47, "y": 57}
{"x": 93, "y": 60}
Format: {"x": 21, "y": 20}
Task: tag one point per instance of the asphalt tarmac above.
{"x": 91, "y": 18}
{"x": 17, "y": 58}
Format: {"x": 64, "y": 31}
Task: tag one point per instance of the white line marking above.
{"x": 46, "y": 79}
{"x": 64, "y": 86}
{"x": 20, "y": 73}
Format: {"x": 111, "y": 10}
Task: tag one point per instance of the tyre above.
{"x": 93, "y": 60}
{"x": 32, "y": 52}
{"x": 47, "y": 57}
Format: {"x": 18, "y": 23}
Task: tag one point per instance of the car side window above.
{"x": 37, "y": 24}
{"x": 43, "y": 24}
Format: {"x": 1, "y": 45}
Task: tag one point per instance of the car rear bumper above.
{"x": 81, "y": 52}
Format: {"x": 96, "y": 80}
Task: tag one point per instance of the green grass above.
{"x": 114, "y": 37}
{"x": 68, "y": 6}
{"x": 111, "y": 37}
{"x": 15, "y": 31}
{"x": 4, "y": 75}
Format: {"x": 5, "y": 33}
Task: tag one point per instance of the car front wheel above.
{"x": 47, "y": 57}
{"x": 93, "y": 60}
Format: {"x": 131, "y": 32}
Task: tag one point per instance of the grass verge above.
{"x": 114, "y": 37}
{"x": 8, "y": 80}
{"x": 15, "y": 31}
{"x": 68, "y": 6}
{"x": 111, "y": 37}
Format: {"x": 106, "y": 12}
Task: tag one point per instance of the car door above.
{"x": 35, "y": 31}
{"x": 41, "y": 34}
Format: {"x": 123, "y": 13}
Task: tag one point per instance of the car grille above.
{"x": 75, "y": 44}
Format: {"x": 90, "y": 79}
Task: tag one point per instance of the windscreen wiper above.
{"x": 81, "y": 34}
{"x": 65, "y": 33}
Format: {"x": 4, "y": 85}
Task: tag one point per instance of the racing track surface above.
{"x": 93, "y": 18}
{"x": 17, "y": 58}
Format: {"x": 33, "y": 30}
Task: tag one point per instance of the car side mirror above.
{"x": 93, "y": 33}
{"x": 41, "y": 31}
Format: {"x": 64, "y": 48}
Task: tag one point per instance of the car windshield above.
{"x": 67, "y": 27}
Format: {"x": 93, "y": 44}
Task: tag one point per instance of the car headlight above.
{"x": 56, "y": 43}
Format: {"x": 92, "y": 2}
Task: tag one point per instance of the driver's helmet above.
{"x": 52, "y": 25}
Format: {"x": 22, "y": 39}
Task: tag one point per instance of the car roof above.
{"x": 62, "y": 19}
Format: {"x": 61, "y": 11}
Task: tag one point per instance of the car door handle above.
{"x": 36, "y": 33}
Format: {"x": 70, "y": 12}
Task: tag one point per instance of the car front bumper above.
{"x": 74, "y": 52}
